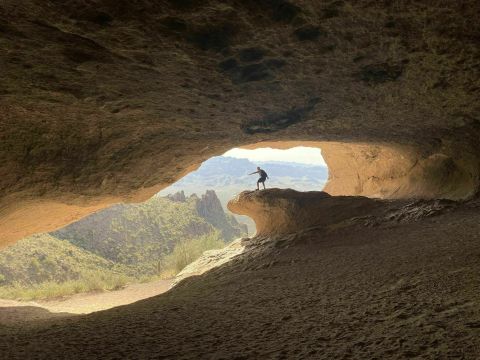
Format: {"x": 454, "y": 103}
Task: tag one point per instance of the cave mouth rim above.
{"x": 25, "y": 213}
{"x": 259, "y": 154}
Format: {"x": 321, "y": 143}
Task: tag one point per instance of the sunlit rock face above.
{"x": 110, "y": 101}
{"x": 209, "y": 260}
{"x": 284, "y": 211}
{"x": 279, "y": 212}
{"x": 392, "y": 171}
{"x": 396, "y": 172}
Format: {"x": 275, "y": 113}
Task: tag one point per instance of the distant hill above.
{"x": 141, "y": 234}
{"x": 229, "y": 176}
{"x": 130, "y": 242}
{"x": 123, "y": 243}
{"x": 226, "y": 171}
{"x": 41, "y": 258}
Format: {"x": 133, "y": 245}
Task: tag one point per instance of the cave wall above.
{"x": 106, "y": 101}
{"x": 389, "y": 171}
{"x": 394, "y": 172}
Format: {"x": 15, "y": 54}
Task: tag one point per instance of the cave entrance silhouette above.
{"x": 379, "y": 170}
{"x": 297, "y": 167}
{"x": 355, "y": 169}
{"x": 113, "y": 249}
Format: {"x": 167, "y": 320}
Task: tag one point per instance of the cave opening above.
{"x": 135, "y": 250}
{"x": 143, "y": 241}
{"x": 128, "y": 252}
{"x": 289, "y": 165}
{"x": 109, "y": 102}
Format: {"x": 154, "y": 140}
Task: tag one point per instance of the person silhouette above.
{"x": 263, "y": 176}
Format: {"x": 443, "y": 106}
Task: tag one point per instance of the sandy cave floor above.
{"x": 12, "y": 311}
{"x": 392, "y": 291}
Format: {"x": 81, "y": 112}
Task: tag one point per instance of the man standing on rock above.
{"x": 263, "y": 177}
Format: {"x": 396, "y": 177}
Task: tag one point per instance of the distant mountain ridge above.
{"x": 215, "y": 170}
{"x": 229, "y": 176}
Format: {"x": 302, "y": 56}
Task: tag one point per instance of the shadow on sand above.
{"x": 16, "y": 315}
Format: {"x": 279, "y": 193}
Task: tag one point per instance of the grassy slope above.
{"x": 42, "y": 266}
{"x": 122, "y": 244}
{"x": 139, "y": 235}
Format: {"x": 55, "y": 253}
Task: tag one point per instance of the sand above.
{"x": 12, "y": 312}
{"x": 390, "y": 289}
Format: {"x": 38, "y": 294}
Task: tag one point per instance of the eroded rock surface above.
{"x": 396, "y": 172}
{"x": 209, "y": 260}
{"x": 110, "y": 101}
{"x": 284, "y": 211}
{"x": 404, "y": 287}
{"x": 281, "y": 212}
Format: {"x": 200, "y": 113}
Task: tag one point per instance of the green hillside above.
{"x": 141, "y": 235}
{"x": 43, "y": 266}
{"x": 125, "y": 243}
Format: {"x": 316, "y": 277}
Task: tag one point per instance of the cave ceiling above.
{"x": 105, "y": 98}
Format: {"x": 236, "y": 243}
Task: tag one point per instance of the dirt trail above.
{"x": 12, "y": 311}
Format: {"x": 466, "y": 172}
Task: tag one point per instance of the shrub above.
{"x": 187, "y": 251}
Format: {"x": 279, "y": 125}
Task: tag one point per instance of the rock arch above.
{"x": 113, "y": 102}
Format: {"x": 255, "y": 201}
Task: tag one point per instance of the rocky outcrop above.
{"x": 283, "y": 211}
{"x": 210, "y": 208}
{"x": 102, "y": 103}
{"x": 210, "y": 260}
{"x": 279, "y": 212}
{"x": 177, "y": 197}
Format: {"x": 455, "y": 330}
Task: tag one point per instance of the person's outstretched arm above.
{"x": 256, "y": 172}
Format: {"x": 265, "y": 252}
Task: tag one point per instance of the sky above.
{"x": 299, "y": 154}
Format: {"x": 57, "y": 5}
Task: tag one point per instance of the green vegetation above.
{"x": 43, "y": 266}
{"x": 141, "y": 235}
{"x": 93, "y": 281}
{"x": 117, "y": 246}
{"x": 187, "y": 251}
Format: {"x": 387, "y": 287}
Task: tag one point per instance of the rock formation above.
{"x": 177, "y": 197}
{"x": 210, "y": 260}
{"x": 280, "y": 212}
{"x": 381, "y": 279}
{"x": 210, "y": 208}
{"x": 113, "y": 101}
{"x": 109, "y": 101}
{"x": 208, "y": 205}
